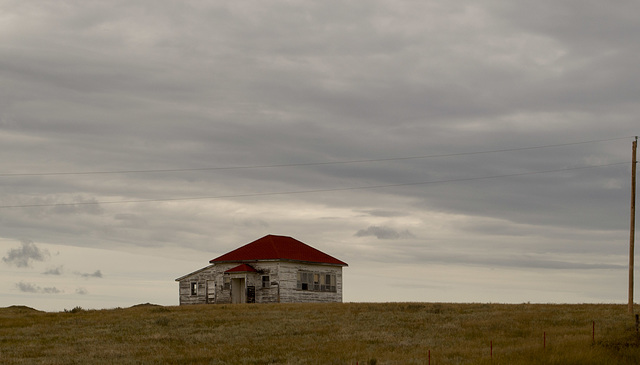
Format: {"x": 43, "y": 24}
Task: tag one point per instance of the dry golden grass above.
{"x": 339, "y": 333}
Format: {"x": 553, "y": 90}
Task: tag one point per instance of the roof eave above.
{"x": 277, "y": 260}
{"x": 193, "y": 273}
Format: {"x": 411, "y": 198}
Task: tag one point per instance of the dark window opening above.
{"x": 194, "y": 288}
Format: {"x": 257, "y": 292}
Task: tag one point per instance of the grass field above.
{"x": 338, "y": 333}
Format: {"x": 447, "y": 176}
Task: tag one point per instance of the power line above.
{"x": 305, "y": 163}
{"x": 314, "y": 190}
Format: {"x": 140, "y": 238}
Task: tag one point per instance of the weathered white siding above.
{"x": 201, "y": 277}
{"x": 289, "y": 292}
{"x": 282, "y": 285}
{"x": 252, "y": 279}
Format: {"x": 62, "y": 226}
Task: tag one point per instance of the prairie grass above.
{"x": 335, "y": 333}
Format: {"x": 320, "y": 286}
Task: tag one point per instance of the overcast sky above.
{"x": 449, "y": 151}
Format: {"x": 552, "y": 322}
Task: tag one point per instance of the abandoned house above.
{"x": 271, "y": 269}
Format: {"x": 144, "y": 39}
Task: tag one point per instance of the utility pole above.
{"x": 632, "y": 230}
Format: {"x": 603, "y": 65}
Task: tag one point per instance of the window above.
{"x": 305, "y": 280}
{"x": 315, "y": 281}
{"x": 266, "y": 283}
{"x": 194, "y": 288}
{"x": 327, "y": 284}
{"x": 226, "y": 283}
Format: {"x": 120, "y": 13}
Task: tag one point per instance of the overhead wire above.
{"x": 312, "y": 190}
{"x": 302, "y": 164}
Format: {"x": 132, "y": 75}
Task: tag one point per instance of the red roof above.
{"x": 273, "y": 247}
{"x": 242, "y": 268}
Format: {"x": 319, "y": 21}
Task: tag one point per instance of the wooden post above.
{"x": 633, "y": 222}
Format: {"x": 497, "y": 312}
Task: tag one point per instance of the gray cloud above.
{"x": 51, "y": 290}
{"x": 96, "y": 274}
{"x": 27, "y": 287}
{"x": 32, "y": 288}
{"x": 131, "y": 220}
{"x": 23, "y": 256}
{"x": 253, "y": 223}
{"x": 82, "y": 291}
{"x": 80, "y": 205}
{"x": 54, "y": 271}
{"x": 385, "y": 213}
{"x": 529, "y": 262}
{"x": 384, "y": 233}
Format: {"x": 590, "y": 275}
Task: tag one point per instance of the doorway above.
{"x": 238, "y": 291}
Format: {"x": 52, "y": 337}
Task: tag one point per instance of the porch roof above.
{"x": 242, "y": 268}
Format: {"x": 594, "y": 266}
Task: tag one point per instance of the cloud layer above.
{"x": 385, "y": 131}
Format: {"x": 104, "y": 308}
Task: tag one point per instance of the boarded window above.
{"x": 251, "y": 294}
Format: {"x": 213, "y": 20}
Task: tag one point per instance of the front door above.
{"x": 238, "y": 294}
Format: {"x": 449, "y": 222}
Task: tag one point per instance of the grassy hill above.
{"x": 340, "y": 333}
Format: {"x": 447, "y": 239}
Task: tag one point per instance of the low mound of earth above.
{"x": 19, "y": 309}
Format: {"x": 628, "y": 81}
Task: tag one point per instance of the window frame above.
{"x": 316, "y": 281}
{"x": 193, "y": 286}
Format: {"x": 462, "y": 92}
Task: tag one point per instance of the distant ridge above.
{"x": 20, "y": 309}
{"x": 145, "y": 305}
